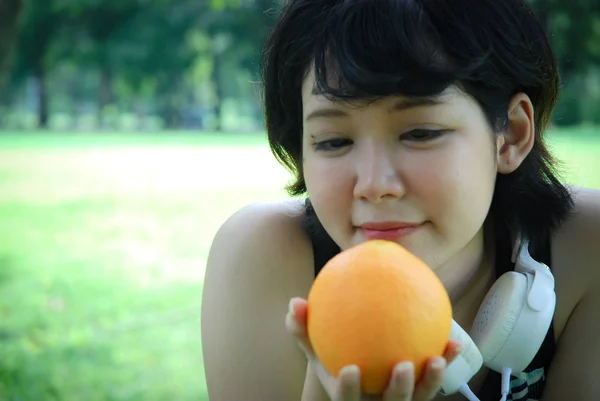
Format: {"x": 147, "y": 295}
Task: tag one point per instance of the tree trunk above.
{"x": 215, "y": 77}
{"x": 42, "y": 95}
{"x": 10, "y": 11}
{"x": 40, "y": 72}
{"x": 169, "y": 111}
{"x": 105, "y": 95}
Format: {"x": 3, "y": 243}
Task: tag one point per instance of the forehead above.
{"x": 312, "y": 99}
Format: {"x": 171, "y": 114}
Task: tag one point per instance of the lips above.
{"x": 390, "y": 231}
{"x": 387, "y": 225}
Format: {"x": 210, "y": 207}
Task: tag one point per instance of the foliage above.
{"x": 183, "y": 62}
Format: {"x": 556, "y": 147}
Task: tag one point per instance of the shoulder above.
{"x": 576, "y": 267}
{"x": 576, "y": 254}
{"x": 258, "y": 224}
{"x": 585, "y": 218}
{"x": 264, "y": 238}
{"x": 259, "y": 259}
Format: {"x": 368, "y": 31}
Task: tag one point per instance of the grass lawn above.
{"x": 103, "y": 244}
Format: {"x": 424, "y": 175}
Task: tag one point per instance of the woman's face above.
{"x": 420, "y": 173}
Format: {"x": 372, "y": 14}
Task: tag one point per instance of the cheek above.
{"x": 329, "y": 187}
{"x": 458, "y": 186}
{"x": 327, "y": 178}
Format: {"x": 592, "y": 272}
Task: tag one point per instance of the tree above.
{"x": 10, "y": 11}
{"x": 34, "y": 54}
{"x": 101, "y": 27}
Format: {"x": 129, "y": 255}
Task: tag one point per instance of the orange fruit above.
{"x": 375, "y": 305}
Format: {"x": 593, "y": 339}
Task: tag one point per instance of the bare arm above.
{"x": 258, "y": 261}
{"x": 572, "y": 375}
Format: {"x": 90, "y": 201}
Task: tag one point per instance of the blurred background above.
{"x": 129, "y": 131}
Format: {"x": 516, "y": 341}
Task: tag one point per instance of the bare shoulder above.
{"x": 576, "y": 253}
{"x": 586, "y": 214}
{"x": 580, "y": 232}
{"x": 259, "y": 259}
{"x": 576, "y": 257}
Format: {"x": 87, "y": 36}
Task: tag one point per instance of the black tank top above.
{"x": 524, "y": 386}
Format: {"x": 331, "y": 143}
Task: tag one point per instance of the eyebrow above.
{"x": 400, "y": 105}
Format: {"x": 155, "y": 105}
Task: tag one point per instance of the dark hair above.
{"x": 490, "y": 49}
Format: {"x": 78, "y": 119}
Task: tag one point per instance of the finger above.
{"x": 295, "y": 322}
{"x": 402, "y": 383}
{"x": 453, "y": 349}
{"x": 348, "y": 384}
{"x": 432, "y": 380}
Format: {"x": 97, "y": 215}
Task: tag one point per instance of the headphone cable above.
{"x": 466, "y": 391}
{"x": 506, "y": 372}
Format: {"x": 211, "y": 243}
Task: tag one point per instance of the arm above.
{"x": 258, "y": 261}
{"x": 572, "y": 373}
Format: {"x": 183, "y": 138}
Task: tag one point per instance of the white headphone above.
{"x": 510, "y": 326}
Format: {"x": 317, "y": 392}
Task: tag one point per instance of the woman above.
{"x": 419, "y": 121}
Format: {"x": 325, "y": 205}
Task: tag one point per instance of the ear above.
{"x": 517, "y": 141}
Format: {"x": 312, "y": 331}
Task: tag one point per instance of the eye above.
{"x": 332, "y": 145}
{"x": 423, "y": 135}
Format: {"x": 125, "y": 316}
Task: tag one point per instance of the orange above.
{"x": 375, "y": 305}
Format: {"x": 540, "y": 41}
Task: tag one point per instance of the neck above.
{"x": 471, "y": 276}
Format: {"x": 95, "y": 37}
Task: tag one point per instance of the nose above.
{"x": 377, "y": 176}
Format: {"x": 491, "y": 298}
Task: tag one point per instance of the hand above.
{"x": 346, "y": 387}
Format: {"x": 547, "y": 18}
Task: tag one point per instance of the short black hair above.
{"x": 491, "y": 49}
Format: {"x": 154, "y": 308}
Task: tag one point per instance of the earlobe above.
{"x": 518, "y": 139}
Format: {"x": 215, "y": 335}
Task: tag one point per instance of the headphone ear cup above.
{"x": 465, "y": 366}
{"x": 498, "y": 314}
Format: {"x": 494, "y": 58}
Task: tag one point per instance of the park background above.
{"x": 129, "y": 131}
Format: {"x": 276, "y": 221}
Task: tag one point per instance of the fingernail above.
{"x": 459, "y": 348}
{"x": 291, "y": 310}
{"x": 404, "y": 367}
{"x": 438, "y": 363}
{"x": 350, "y": 370}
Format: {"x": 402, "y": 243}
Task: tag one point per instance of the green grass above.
{"x": 103, "y": 245}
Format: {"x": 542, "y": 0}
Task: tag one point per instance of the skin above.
{"x": 261, "y": 258}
